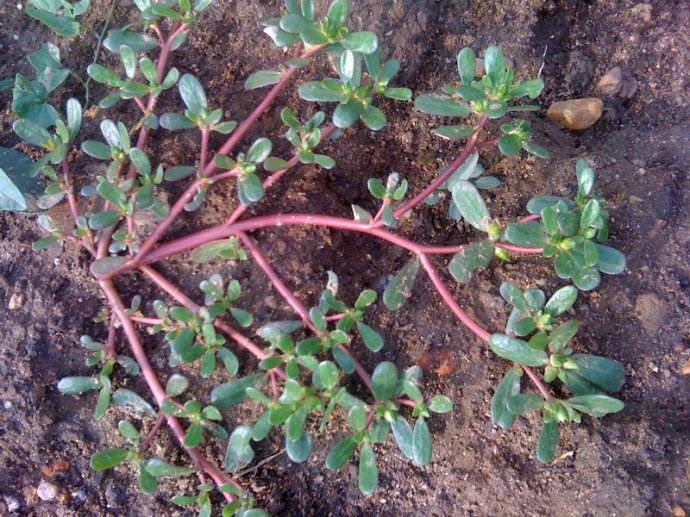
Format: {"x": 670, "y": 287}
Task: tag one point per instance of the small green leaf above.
{"x": 559, "y": 337}
{"x": 233, "y": 392}
{"x": 103, "y": 220}
{"x": 262, "y": 78}
{"x": 192, "y": 94}
{"x": 548, "y": 442}
{"x": 177, "y": 384}
{"x": 524, "y": 403}
{"x": 108, "y": 458}
{"x": 136, "y": 41}
{"x": 128, "y": 431}
{"x": 561, "y": 301}
{"x": 398, "y": 94}
{"x": 440, "y": 404}
{"x": 421, "y": 442}
{"x": 251, "y": 189}
{"x": 77, "y": 385}
{"x": 400, "y": 288}
{"x": 368, "y": 477}
{"x": 62, "y": 24}
{"x": 159, "y": 468}
{"x": 373, "y": 118}
{"x": 536, "y": 150}
{"x": 328, "y": 374}
{"x": 610, "y": 260}
{"x": 596, "y": 405}
{"x": 508, "y": 388}
{"x": 31, "y": 132}
{"x": 510, "y": 144}
{"x": 362, "y": 42}
{"x": 467, "y": 62}
{"x": 239, "y": 452}
{"x": 357, "y": 418}
{"x": 472, "y": 257}
{"x": 316, "y": 91}
{"x": 470, "y": 204}
{"x": 607, "y": 374}
{"x": 176, "y": 121}
{"x": 385, "y": 380}
{"x": 526, "y": 234}
{"x": 347, "y": 114}
{"x": 371, "y": 338}
{"x": 454, "y": 132}
{"x": 341, "y": 453}
{"x": 402, "y": 432}
{"x": 193, "y": 436}
{"x": 437, "y": 105}
{"x": 494, "y": 65}
{"x": 517, "y": 350}
{"x": 337, "y": 13}
{"x": 300, "y": 449}
{"x": 125, "y": 397}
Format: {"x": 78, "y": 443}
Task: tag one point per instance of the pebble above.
{"x": 46, "y": 491}
{"x": 678, "y": 511}
{"x": 617, "y": 83}
{"x": 576, "y": 114}
{"x": 12, "y": 503}
{"x": 16, "y": 301}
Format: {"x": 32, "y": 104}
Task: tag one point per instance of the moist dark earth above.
{"x": 632, "y": 463}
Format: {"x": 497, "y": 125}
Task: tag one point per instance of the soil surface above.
{"x": 633, "y": 463}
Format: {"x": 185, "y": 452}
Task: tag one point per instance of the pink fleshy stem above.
{"x": 528, "y": 218}
{"x": 157, "y": 389}
{"x": 146, "y": 321}
{"x": 205, "y": 132}
{"x": 472, "y": 325}
{"x": 183, "y": 299}
{"x": 519, "y": 249}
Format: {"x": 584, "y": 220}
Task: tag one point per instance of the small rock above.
{"x": 16, "y": 301}
{"x": 12, "y": 503}
{"x": 617, "y": 83}
{"x": 576, "y": 114}
{"x": 650, "y": 310}
{"x": 678, "y": 511}
{"x": 685, "y": 369}
{"x": 46, "y": 491}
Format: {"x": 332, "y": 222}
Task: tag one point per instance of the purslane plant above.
{"x": 303, "y": 369}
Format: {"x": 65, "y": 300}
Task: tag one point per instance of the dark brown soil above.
{"x": 629, "y": 464}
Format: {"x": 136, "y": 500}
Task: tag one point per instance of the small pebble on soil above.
{"x": 577, "y": 114}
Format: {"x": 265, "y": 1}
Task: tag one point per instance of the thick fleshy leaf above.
{"x": 440, "y": 404}
{"x": 62, "y": 25}
{"x": 371, "y": 338}
{"x": 385, "y": 380}
{"x": 514, "y": 296}
{"x": 495, "y": 65}
{"x": 177, "y": 384}
{"x": 530, "y": 89}
{"x": 467, "y": 62}
{"x": 11, "y": 198}
{"x": 251, "y": 189}
{"x": 347, "y": 114}
{"x": 517, "y": 350}
{"x": 337, "y": 13}
{"x": 536, "y": 150}
{"x": 454, "y": 132}
{"x": 262, "y": 78}
{"x": 368, "y": 477}
{"x": 605, "y": 373}
{"x": 239, "y": 452}
{"x": 610, "y": 260}
{"x": 96, "y": 149}
{"x": 233, "y": 392}
{"x": 548, "y": 442}
{"x": 192, "y": 93}
{"x": 159, "y": 468}
{"x": 31, "y": 132}
{"x": 134, "y": 40}
{"x": 402, "y": 432}
{"x": 77, "y": 385}
{"x": 176, "y": 121}
{"x": 128, "y": 398}
{"x": 437, "y": 105}
{"x": 373, "y": 118}
{"x": 421, "y": 442}
{"x": 561, "y": 301}
{"x": 560, "y": 336}
{"x": 341, "y": 453}
{"x": 507, "y": 388}
{"x": 103, "y": 220}
{"x": 472, "y": 257}
{"x": 316, "y": 91}
{"x": 526, "y": 234}
{"x": 108, "y": 458}
{"x": 400, "y": 288}
{"x": 362, "y": 42}
{"x": 596, "y": 405}
{"x": 524, "y": 403}
{"x": 470, "y": 204}
{"x": 259, "y": 151}
{"x": 300, "y": 449}
{"x": 510, "y": 144}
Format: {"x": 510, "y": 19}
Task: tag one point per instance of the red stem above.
{"x": 110, "y": 344}
{"x": 156, "y": 388}
{"x": 528, "y": 218}
{"x": 146, "y": 321}
{"x": 204, "y": 147}
{"x": 519, "y": 249}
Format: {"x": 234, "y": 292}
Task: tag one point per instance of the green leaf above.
{"x": 64, "y": 25}
{"x": 373, "y": 118}
{"x": 259, "y": 151}
{"x": 362, "y": 42}
{"x": 357, "y": 418}
{"x": 159, "y": 468}
{"x": 510, "y": 144}
{"x": 400, "y": 288}
{"x": 472, "y": 257}
{"x": 365, "y": 299}
{"x": 530, "y": 89}
{"x": 239, "y": 452}
{"x": 251, "y": 189}
{"x": 559, "y": 337}
{"x": 421, "y": 442}
{"x": 385, "y": 380}
{"x": 347, "y": 114}
{"x": 103, "y": 220}
{"x": 586, "y": 278}
{"x": 262, "y": 78}
{"x": 341, "y": 453}
{"x": 74, "y": 115}
{"x": 177, "y": 384}
{"x": 610, "y": 260}
{"x": 108, "y": 458}
{"x": 300, "y": 449}
{"x": 398, "y": 94}
{"x": 111, "y": 193}
{"x": 495, "y": 65}
{"x": 508, "y": 388}
{"x": 371, "y": 338}
{"x": 328, "y": 374}
{"x": 125, "y": 397}
{"x": 96, "y": 149}
{"x": 585, "y": 178}
{"x": 470, "y": 204}
{"x": 548, "y": 442}
{"x": 103, "y": 398}
{"x": 193, "y": 436}
{"x": 596, "y": 405}
{"x": 11, "y": 198}
{"x": 175, "y": 121}
{"x": 192, "y": 94}
{"x": 524, "y": 403}
{"x": 561, "y": 301}
{"x": 368, "y": 477}
{"x": 437, "y": 105}
{"x": 466, "y": 65}
{"x": 147, "y": 482}
{"x": 117, "y": 38}
{"x": 517, "y": 350}
{"x": 77, "y": 385}
{"x": 233, "y": 392}
{"x": 526, "y": 234}
{"x": 128, "y": 431}
{"x": 440, "y": 404}
{"x": 31, "y": 132}
{"x": 179, "y": 172}
{"x": 337, "y": 13}
{"x": 402, "y": 432}
{"x": 607, "y": 374}
{"x": 454, "y": 132}
{"x": 316, "y": 91}
{"x": 536, "y": 150}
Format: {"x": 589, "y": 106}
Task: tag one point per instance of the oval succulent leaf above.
{"x": 517, "y": 350}
{"x": 368, "y": 476}
{"x": 471, "y": 205}
{"x": 507, "y": 388}
{"x": 437, "y": 105}
{"x": 108, "y": 458}
{"x": 472, "y": 257}
{"x": 385, "y": 380}
{"x": 192, "y": 94}
{"x": 400, "y": 288}
{"x": 548, "y": 442}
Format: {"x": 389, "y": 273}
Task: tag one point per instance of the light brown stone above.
{"x": 651, "y": 311}
{"x": 617, "y": 82}
{"x": 576, "y": 114}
